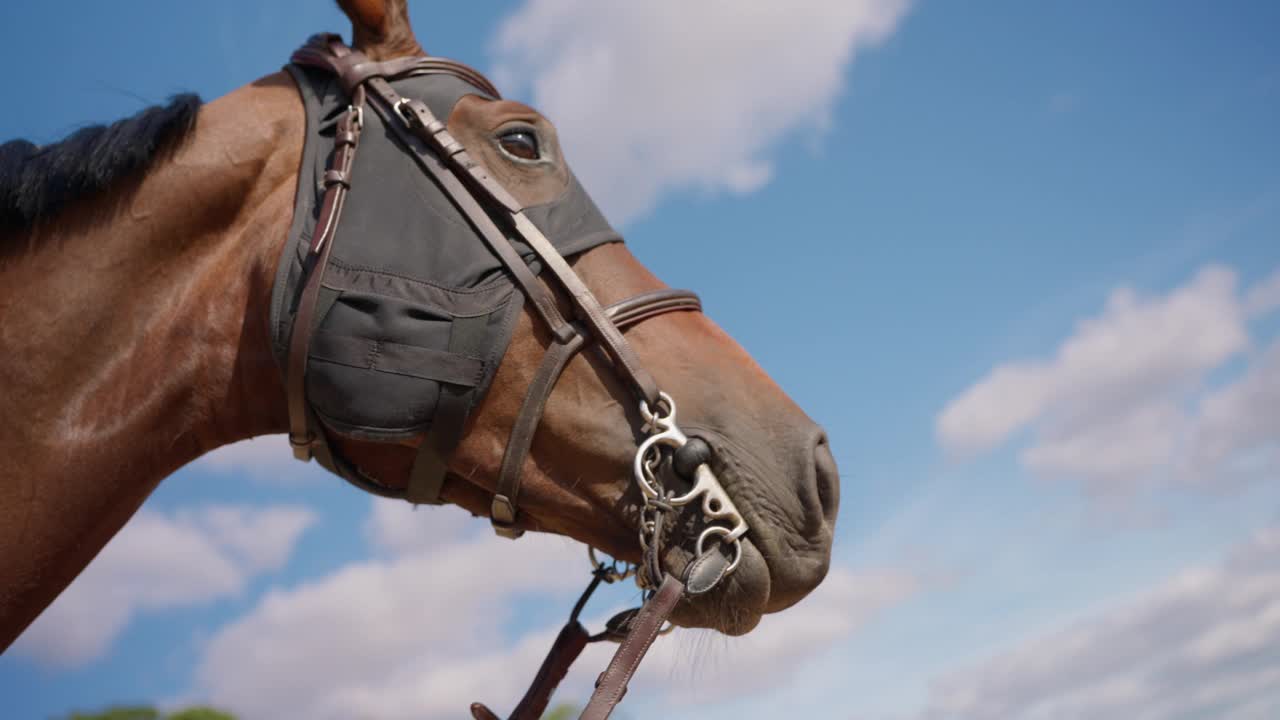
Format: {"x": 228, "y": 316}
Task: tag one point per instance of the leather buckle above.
{"x": 508, "y": 532}
{"x": 336, "y": 177}
{"x": 502, "y": 514}
{"x": 302, "y": 448}
{"x": 405, "y": 109}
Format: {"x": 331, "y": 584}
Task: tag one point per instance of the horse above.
{"x": 137, "y": 264}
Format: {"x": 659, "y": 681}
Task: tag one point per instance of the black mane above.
{"x": 38, "y": 182}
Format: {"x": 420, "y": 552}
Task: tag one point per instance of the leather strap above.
{"x": 337, "y": 181}
{"x": 589, "y": 310}
{"x": 642, "y": 627}
{"x": 569, "y": 644}
{"x": 325, "y": 50}
{"x": 494, "y": 238}
{"x": 612, "y": 684}
{"x": 623, "y": 314}
{"x": 423, "y": 124}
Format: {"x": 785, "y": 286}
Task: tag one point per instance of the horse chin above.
{"x": 735, "y": 606}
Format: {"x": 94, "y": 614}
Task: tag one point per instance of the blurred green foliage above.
{"x": 563, "y": 711}
{"x": 119, "y": 713}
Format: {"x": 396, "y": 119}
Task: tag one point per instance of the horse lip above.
{"x": 740, "y": 472}
{"x": 736, "y": 605}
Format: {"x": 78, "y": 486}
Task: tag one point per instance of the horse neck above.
{"x": 134, "y": 329}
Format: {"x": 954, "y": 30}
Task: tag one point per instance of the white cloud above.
{"x": 424, "y": 631}
{"x": 1204, "y": 644}
{"x": 401, "y": 528}
{"x": 1265, "y": 296}
{"x": 696, "y": 670}
{"x": 385, "y": 614}
{"x": 258, "y": 539}
{"x": 1123, "y": 398}
{"x": 1238, "y": 430}
{"x": 778, "y": 649}
{"x": 1120, "y": 447}
{"x": 672, "y": 95}
{"x": 157, "y": 562}
{"x": 1135, "y": 349}
{"x": 267, "y": 457}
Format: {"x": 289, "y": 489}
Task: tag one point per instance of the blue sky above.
{"x": 1021, "y": 260}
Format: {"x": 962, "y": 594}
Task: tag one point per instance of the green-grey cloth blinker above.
{"x": 418, "y": 312}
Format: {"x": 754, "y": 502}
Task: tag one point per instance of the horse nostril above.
{"x": 826, "y": 479}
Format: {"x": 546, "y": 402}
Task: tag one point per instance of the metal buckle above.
{"x": 302, "y": 448}
{"x": 502, "y": 515}
{"x": 508, "y": 532}
{"x": 411, "y": 118}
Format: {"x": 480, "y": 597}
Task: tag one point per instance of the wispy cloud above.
{"x": 392, "y": 616}
{"x": 423, "y": 630}
{"x": 1264, "y": 297}
{"x": 676, "y": 95}
{"x": 264, "y": 458}
{"x": 159, "y": 561}
{"x": 1125, "y": 397}
{"x": 1237, "y": 431}
{"x": 1206, "y": 643}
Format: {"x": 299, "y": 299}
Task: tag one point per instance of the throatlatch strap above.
{"x": 337, "y": 181}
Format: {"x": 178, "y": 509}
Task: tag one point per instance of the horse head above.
{"x": 577, "y": 477}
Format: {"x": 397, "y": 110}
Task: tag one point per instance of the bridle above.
{"x": 498, "y": 218}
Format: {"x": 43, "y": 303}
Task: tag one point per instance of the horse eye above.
{"x": 520, "y": 143}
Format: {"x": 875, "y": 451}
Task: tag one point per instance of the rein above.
{"x": 497, "y": 217}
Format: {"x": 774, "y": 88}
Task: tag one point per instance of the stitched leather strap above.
{"x": 573, "y": 638}
{"x": 612, "y": 684}
{"x": 645, "y": 625}
{"x": 423, "y": 125}
{"x": 354, "y": 70}
{"x": 623, "y": 314}
{"x": 337, "y": 181}
{"x": 326, "y": 51}
{"x": 494, "y": 238}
